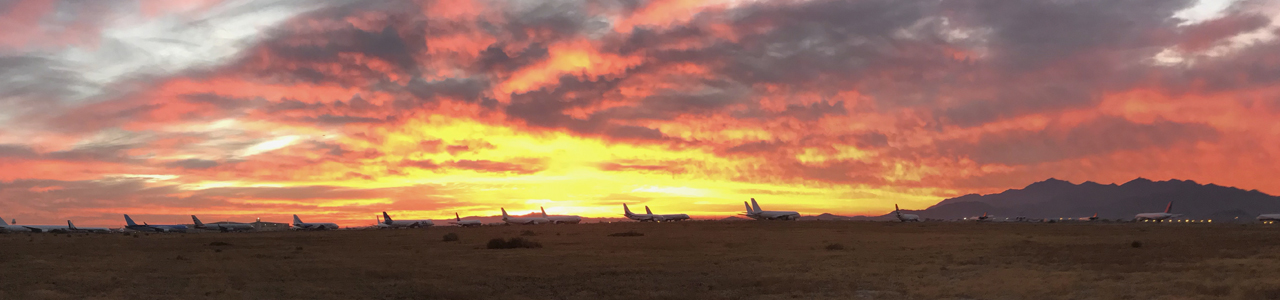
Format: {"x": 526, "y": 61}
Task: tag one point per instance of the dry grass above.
{"x": 690, "y": 260}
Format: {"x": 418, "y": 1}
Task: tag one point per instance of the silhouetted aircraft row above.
{"x": 753, "y": 211}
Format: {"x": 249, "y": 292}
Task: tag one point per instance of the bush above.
{"x": 451, "y": 237}
{"x": 628, "y": 233}
{"x": 834, "y": 247}
{"x": 512, "y": 243}
{"x": 528, "y": 233}
{"x": 1135, "y": 244}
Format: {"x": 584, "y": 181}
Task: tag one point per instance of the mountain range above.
{"x": 1055, "y": 198}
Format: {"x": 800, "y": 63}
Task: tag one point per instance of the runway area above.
{"x": 685, "y": 260}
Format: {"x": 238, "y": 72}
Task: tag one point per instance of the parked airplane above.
{"x": 983, "y": 217}
{"x": 73, "y": 227}
{"x": 666, "y": 217}
{"x": 386, "y": 219}
{"x": 152, "y": 228}
{"x": 626, "y": 211}
{"x": 522, "y": 220}
{"x": 1093, "y": 218}
{"x": 904, "y": 217}
{"x": 226, "y": 227}
{"x": 560, "y": 219}
{"x": 298, "y": 224}
{"x": 33, "y": 228}
{"x": 755, "y": 212}
{"x": 1157, "y": 216}
{"x": 1269, "y": 218}
{"x": 468, "y": 223}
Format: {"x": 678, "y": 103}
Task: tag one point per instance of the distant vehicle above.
{"x": 14, "y": 227}
{"x": 522, "y": 220}
{"x": 298, "y": 224}
{"x": 1269, "y": 218}
{"x": 1158, "y": 217}
{"x": 468, "y": 223}
{"x": 755, "y": 212}
{"x": 666, "y": 217}
{"x": 73, "y": 228}
{"x": 152, "y": 228}
{"x": 386, "y": 220}
{"x": 904, "y": 217}
{"x": 226, "y": 227}
{"x": 560, "y": 219}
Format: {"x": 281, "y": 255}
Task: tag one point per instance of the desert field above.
{"x": 689, "y": 260}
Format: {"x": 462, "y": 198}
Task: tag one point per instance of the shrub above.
{"x": 834, "y": 247}
{"x": 528, "y": 233}
{"x": 1135, "y": 244}
{"x": 451, "y": 237}
{"x": 628, "y": 233}
{"x": 512, "y": 243}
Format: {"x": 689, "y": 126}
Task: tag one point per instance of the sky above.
{"x": 338, "y": 110}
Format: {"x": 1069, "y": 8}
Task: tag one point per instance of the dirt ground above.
{"x": 689, "y": 260}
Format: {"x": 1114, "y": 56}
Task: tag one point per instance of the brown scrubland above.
{"x": 689, "y": 260}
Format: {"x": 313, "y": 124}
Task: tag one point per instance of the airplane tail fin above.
{"x": 984, "y": 214}
{"x": 755, "y": 205}
{"x": 748, "y": 206}
{"x": 504, "y": 213}
{"x": 1095, "y": 215}
{"x": 128, "y": 220}
{"x": 296, "y": 220}
{"x": 197, "y": 221}
{"x": 386, "y": 218}
{"x": 896, "y": 210}
{"x": 70, "y": 225}
{"x": 544, "y": 211}
{"x": 626, "y": 211}
{"x": 3, "y": 223}
{"x": 1169, "y": 207}
{"x": 457, "y": 217}
{"x": 647, "y": 211}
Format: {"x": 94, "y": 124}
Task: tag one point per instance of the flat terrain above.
{"x": 690, "y": 260}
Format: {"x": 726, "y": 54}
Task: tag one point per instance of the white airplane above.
{"x": 73, "y": 227}
{"x": 904, "y": 217}
{"x": 666, "y": 217}
{"x": 560, "y": 219}
{"x": 386, "y": 220}
{"x": 299, "y": 225}
{"x": 983, "y": 217}
{"x": 522, "y": 220}
{"x": 1093, "y": 218}
{"x": 33, "y": 228}
{"x": 755, "y": 212}
{"x": 228, "y": 227}
{"x": 626, "y": 211}
{"x": 1269, "y": 218}
{"x": 152, "y": 228}
{"x": 467, "y": 223}
{"x": 1157, "y": 216}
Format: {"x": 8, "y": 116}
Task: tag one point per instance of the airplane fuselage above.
{"x": 227, "y": 227}
{"x": 775, "y": 215}
{"x": 158, "y": 228}
{"x": 315, "y": 226}
{"x": 1153, "y": 216}
{"x": 1269, "y": 217}
{"x": 409, "y": 223}
{"x": 526, "y": 220}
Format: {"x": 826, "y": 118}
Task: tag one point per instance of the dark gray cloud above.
{"x": 1058, "y": 142}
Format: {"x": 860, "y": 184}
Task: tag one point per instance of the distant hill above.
{"x": 1055, "y": 198}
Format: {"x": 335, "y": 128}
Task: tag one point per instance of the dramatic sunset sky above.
{"x": 338, "y": 110}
